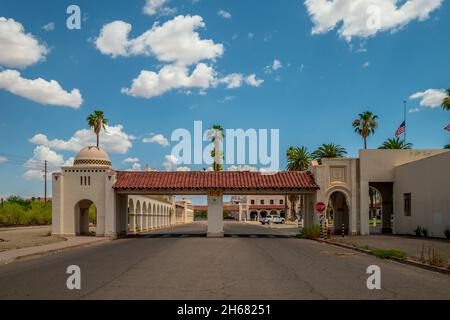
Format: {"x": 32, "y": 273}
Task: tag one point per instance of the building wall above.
{"x": 378, "y": 166}
{"x": 339, "y": 175}
{"x": 69, "y": 188}
{"x": 184, "y": 212}
{"x": 147, "y": 213}
{"x": 428, "y": 181}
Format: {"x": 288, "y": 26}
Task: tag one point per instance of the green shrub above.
{"x": 25, "y": 212}
{"x": 447, "y": 232}
{"x": 389, "y": 253}
{"x": 93, "y": 214}
{"x": 425, "y": 232}
{"x": 311, "y": 232}
{"x": 418, "y": 231}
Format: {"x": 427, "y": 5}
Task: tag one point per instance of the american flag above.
{"x": 400, "y": 130}
{"x": 447, "y": 128}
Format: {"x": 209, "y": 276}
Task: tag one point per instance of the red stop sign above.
{"x": 321, "y": 207}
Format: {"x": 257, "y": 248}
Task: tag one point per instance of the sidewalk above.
{"x": 71, "y": 242}
{"x": 412, "y": 246}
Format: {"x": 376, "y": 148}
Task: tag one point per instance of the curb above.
{"x": 407, "y": 261}
{"x": 51, "y": 251}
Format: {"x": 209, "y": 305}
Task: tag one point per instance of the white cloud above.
{"x": 183, "y": 169}
{"x": 174, "y": 41}
{"x": 157, "y": 138}
{"x": 171, "y": 162}
{"x": 131, "y": 160}
{"x": 151, "y": 84}
{"x": 226, "y": 99}
{"x": 430, "y": 98}
{"x": 276, "y": 65}
{"x": 136, "y": 167}
{"x": 414, "y": 110}
{"x": 366, "y": 64}
{"x": 232, "y": 81}
{"x": 153, "y": 7}
{"x": 39, "y": 90}
{"x": 17, "y": 48}
{"x": 224, "y": 14}
{"x": 252, "y": 81}
{"x": 250, "y": 35}
{"x": 365, "y": 18}
{"x": 35, "y": 167}
{"x": 113, "y": 140}
{"x": 241, "y": 168}
{"x": 113, "y": 39}
{"x": 3, "y": 159}
{"x": 49, "y": 26}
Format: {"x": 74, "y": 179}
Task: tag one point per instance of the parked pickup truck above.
{"x": 272, "y": 219}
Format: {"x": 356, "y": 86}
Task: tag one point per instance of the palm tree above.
{"x": 329, "y": 150}
{"x": 215, "y": 134}
{"x": 365, "y": 125}
{"x": 395, "y": 143}
{"x": 447, "y": 146}
{"x": 298, "y": 159}
{"x": 446, "y": 102}
{"x": 97, "y": 121}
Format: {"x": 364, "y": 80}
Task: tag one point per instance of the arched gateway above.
{"x": 92, "y": 177}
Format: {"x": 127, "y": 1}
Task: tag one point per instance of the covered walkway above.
{"x": 215, "y": 185}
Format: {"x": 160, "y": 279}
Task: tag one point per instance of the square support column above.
{"x": 215, "y": 215}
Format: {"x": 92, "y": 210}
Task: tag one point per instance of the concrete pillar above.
{"x": 215, "y": 216}
{"x": 364, "y": 207}
{"x": 57, "y": 203}
{"x": 122, "y": 214}
{"x": 132, "y": 222}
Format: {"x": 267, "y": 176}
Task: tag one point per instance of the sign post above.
{"x": 320, "y": 208}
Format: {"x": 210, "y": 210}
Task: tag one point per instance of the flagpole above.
{"x": 404, "y": 118}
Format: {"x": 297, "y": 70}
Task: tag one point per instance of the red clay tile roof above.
{"x": 206, "y": 180}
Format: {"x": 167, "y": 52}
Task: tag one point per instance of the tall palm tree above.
{"x": 395, "y": 143}
{"x": 215, "y": 134}
{"x": 298, "y": 159}
{"x": 329, "y": 150}
{"x": 97, "y": 121}
{"x": 365, "y": 125}
{"x": 446, "y": 102}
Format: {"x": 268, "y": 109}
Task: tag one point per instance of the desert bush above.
{"x": 389, "y": 253}
{"x": 310, "y": 232}
{"x": 447, "y": 232}
{"x": 418, "y": 231}
{"x": 17, "y": 211}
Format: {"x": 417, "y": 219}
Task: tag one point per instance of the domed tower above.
{"x": 92, "y": 157}
{"x": 76, "y": 188}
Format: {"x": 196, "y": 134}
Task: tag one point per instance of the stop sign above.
{"x": 321, "y": 207}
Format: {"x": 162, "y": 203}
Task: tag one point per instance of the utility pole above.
{"x": 45, "y": 181}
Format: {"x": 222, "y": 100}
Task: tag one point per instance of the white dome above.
{"x": 92, "y": 157}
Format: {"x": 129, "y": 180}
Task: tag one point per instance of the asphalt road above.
{"x": 181, "y": 264}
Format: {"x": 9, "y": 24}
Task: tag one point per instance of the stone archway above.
{"x": 338, "y": 200}
{"x": 81, "y": 216}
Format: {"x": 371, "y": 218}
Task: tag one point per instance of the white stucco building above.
{"x": 413, "y": 188}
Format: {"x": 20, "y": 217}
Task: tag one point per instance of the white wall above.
{"x": 428, "y": 181}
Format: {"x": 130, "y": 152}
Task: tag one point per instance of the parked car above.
{"x": 272, "y": 219}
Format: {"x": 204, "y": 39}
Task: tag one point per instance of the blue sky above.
{"x": 330, "y": 69}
